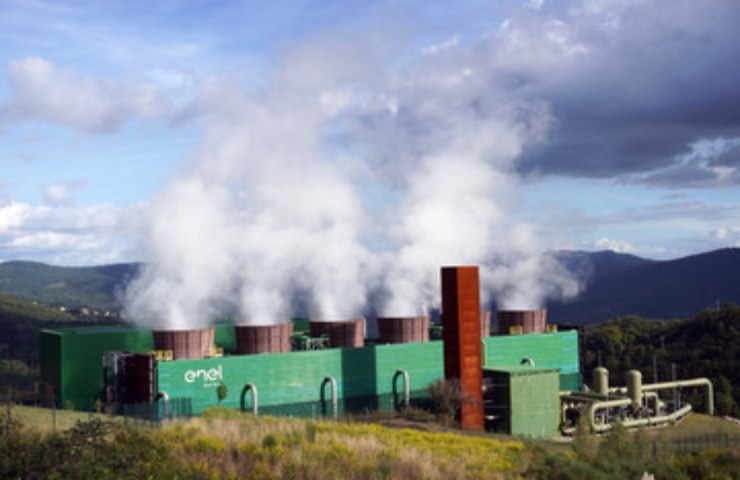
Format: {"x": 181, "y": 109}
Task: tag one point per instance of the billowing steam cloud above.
{"x": 338, "y": 180}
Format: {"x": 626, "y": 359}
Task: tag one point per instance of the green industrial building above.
{"x": 292, "y": 383}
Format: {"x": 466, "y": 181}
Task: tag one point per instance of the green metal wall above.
{"x": 547, "y": 350}
{"x": 80, "y": 378}
{"x": 527, "y": 400}
{"x": 363, "y": 373}
{"x": 50, "y": 357}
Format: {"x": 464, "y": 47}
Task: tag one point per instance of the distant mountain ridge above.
{"x": 617, "y": 284}
{"x": 656, "y": 289}
{"x": 594, "y": 265}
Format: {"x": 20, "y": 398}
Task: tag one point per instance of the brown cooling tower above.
{"x": 403, "y": 329}
{"x": 344, "y": 333}
{"x": 530, "y": 321}
{"x": 461, "y": 320}
{"x": 252, "y": 339}
{"x": 185, "y": 343}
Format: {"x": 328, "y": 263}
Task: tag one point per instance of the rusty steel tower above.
{"x": 461, "y": 318}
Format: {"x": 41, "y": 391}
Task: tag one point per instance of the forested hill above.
{"x": 656, "y": 289}
{"x": 706, "y": 346}
{"x": 73, "y": 287}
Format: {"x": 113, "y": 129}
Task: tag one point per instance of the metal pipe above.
{"x": 250, "y": 387}
{"x": 649, "y": 421}
{"x": 333, "y": 383}
{"x": 406, "y": 388}
{"x": 583, "y": 396}
{"x": 483, "y": 353}
{"x": 528, "y": 361}
{"x": 694, "y": 382}
{"x": 166, "y": 403}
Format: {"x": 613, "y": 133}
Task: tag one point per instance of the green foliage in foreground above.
{"x": 229, "y": 445}
{"x": 625, "y": 455}
{"x": 706, "y": 346}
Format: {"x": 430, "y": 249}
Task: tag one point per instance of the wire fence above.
{"x": 700, "y": 443}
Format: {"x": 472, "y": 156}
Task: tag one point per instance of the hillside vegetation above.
{"x": 229, "y": 445}
{"x": 20, "y": 323}
{"x": 72, "y": 287}
{"x": 706, "y": 346}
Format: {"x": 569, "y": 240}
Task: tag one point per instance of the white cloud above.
{"x": 615, "y": 245}
{"x": 729, "y": 236}
{"x": 452, "y": 42}
{"x": 61, "y": 235}
{"x": 61, "y": 193}
{"x": 623, "y": 246}
{"x": 42, "y": 91}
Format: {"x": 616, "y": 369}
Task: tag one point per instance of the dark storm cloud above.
{"x": 633, "y": 86}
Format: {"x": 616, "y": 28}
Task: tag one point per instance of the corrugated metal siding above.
{"x": 292, "y": 378}
{"x": 535, "y": 404}
{"x": 524, "y": 401}
{"x": 548, "y": 350}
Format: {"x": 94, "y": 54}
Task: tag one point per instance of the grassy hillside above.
{"x": 72, "y": 287}
{"x": 706, "y": 346}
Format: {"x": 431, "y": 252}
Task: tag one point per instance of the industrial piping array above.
{"x": 635, "y": 405}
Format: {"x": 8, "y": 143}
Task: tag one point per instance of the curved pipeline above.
{"x": 250, "y": 387}
{"x": 329, "y": 379}
{"x": 694, "y": 382}
{"x": 406, "y": 388}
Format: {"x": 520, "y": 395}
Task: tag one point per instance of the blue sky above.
{"x": 103, "y": 104}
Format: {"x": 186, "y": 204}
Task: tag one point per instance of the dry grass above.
{"x": 695, "y": 424}
{"x": 45, "y": 420}
{"x": 330, "y": 449}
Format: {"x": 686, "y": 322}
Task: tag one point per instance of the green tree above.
{"x": 221, "y": 392}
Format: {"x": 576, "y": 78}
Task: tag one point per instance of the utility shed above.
{"x": 522, "y": 400}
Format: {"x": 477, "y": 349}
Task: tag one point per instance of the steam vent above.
{"x": 344, "y": 333}
{"x": 185, "y": 343}
{"x": 252, "y": 339}
{"x": 530, "y": 321}
{"x": 403, "y": 329}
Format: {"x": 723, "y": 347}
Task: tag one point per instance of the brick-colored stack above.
{"x": 461, "y": 319}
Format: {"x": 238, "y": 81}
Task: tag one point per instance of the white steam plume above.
{"x": 337, "y": 177}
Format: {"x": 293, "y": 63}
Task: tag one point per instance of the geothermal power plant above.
{"x": 523, "y": 380}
